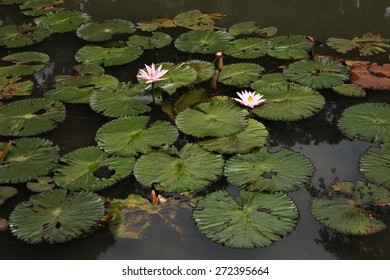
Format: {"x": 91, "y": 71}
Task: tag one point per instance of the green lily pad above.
{"x": 63, "y": 21}
{"x": 89, "y": 69}
{"x": 240, "y": 74}
{"x": 158, "y": 40}
{"x": 204, "y": 70}
{"x": 30, "y": 117}
{"x": 289, "y": 103}
{"x": 108, "y": 56}
{"x": 12, "y": 36}
{"x": 24, "y": 63}
{"x": 91, "y": 169}
{"x": 375, "y": 165}
{"x": 324, "y": 73}
{"x": 103, "y": 31}
{"x": 28, "y": 159}
{"x": 290, "y": 47}
{"x": 42, "y": 184}
{"x": 248, "y": 48}
{"x": 284, "y": 170}
{"x": 247, "y": 221}
{"x": 350, "y": 208}
{"x": 367, "y": 121}
{"x": 7, "y": 192}
{"x": 14, "y": 87}
{"x": 132, "y": 135}
{"x": 190, "y": 99}
{"x": 250, "y": 27}
{"x": 56, "y": 216}
{"x": 154, "y": 24}
{"x": 215, "y": 119}
{"x": 40, "y": 7}
{"x": 11, "y": 2}
{"x": 196, "y": 19}
{"x": 203, "y": 41}
{"x": 191, "y": 169}
{"x": 350, "y": 90}
{"x": 267, "y": 81}
{"x": 254, "y": 136}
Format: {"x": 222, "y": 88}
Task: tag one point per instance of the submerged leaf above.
{"x": 40, "y": 7}
{"x": 375, "y": 165}
{"x": 158, "y": 40}
{"x": 103, "y": 31}
{"x": 196, "y": 19}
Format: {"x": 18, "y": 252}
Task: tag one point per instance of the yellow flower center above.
{"x": 250, "y": 99}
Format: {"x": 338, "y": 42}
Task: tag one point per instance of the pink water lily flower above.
{"x": 152, "y": 74}
{"x": 249, "y": 98}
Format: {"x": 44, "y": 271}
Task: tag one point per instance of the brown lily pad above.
{"x": 3, "y": 224}
{"x": 371, "y": 76}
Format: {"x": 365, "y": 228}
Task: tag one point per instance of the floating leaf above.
{"x": 367, "y": 121}
{"x": 191, "y": 169}
{"x": 30, "y": 117}
{"x": 204, "y": 70}
{"x": 290, "y": 47}
{"x": 350, "y": 209}
{"x": 132, "y": 135}
{"x": 7, "y": 192}
{"x": 247, "y": 221}
{"x": 107, "y": 56}
{"x": 28, "y": 159}
{"x": 43, "y": 184}
{"x": 14, "y": 87}
{"x": 289, "y": 103}
{"x": 240, "y": 74}
{"x": 91, "y": 169}
{"x": 284, "y": 170}
{"x": 63, "y": 21}
{"x": 273, "y": 80}
{"x": 203, "y": 41}
{"x": 196, "y": 19}
{"x": 12, "y": 36}
{"x": 350, "y": 90}
{"x": 24, "y": 63}
{"x": 215, "y": 119}
{"x": 371, "y": 76}
{"x": 375, "y": 165}
{"x": 3, "y": 224}
{"x": 249, "y": 27}
{"x": 324, "y": 73}
{"x": 190, "y": 99}
{"x": 11, "y": 2}
{"x": 154, "y": 24}
{"x": 56, "y": 216}
{"x": 89, "y": 69}
{"x": 254, "y": 136}
{"x": 40, "y": 7}
{"x": 103, "y": 31}
{"x": 158, "y": 40}
{"x": 248, "y": 48}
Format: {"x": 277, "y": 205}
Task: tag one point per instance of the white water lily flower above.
{"x": 152, "y": 74}
{"x": 249, "y": 98}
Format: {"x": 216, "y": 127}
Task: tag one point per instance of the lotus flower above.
{"x": 249, "y": 98}
{"x": 152, "y": 74}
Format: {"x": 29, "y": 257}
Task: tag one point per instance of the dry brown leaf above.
{"x": 371, "y": 76}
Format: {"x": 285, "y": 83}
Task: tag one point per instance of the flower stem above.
{"x": 154, "y": 98}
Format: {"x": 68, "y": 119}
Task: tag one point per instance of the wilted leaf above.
{"x": 154, "y": 24}
{"x": 14, "y": 87}
{"x": 371, "y": 76}
{"x": 196, "y": 19}
{"x": 12, "y": 36}
{"x": 40, "y": 7}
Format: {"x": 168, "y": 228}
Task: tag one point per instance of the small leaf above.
{"x": 43, "y": 184}
{"x": 13, "y": 87}
{"x": 12, "y": 36}
{"x": 7, "y": 192}
{"x": 350, "y": 90}
{"x": 154, "y": 24}
{"x": 40, "y": 7}
{"x": 158, "y": 40}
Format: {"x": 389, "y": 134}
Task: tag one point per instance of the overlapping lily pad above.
{"x": 190, "y": 169}
{"x": 56, "y": 216}
{"x": 375, "y": 165}
{"x": 63, "y": 21}
{"x": 12, "y": 36}
{"x": 27, "y": 159}
{"x": 248, "y": 48}
{"x": 14, "y": 87}
{"x": 351, "y": 207}
{"x": 196, "y": 20}
{"x": 240, "y": 74}
{"x": 289, "y": 103}
{"x": 91, "y": 169}
{"x": 133, "y": 135}
{"x": 154, "y": 24}
{"x": 157, "y": 40}
{"x": 269, "y": 81}
{"x": 250, "y": 27}
{"x": 367, "y": 121}
{"x": 40, "y": 7}
{"x": 103, "y": 31}
{"x": 350, "y": 90}
{"x": 42, "y": 184}
{"x": 250, "y": 220}
{"x": 7, "y": 192}
{"x": 204, "y": 70}
{"x": 290, "y": 47}
{"x": 23, "y": 63}
{"x": 284, "y": 170}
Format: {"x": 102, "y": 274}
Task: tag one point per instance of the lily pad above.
{"x": 28, "y": 159}
{"x": 290, "y": 47}
{"x": 272, "y": 80}
{"x": 63, "y": 21}
{"x": 24, "y": 63}
{"x": 203, "y": 41}
{"x": 284, "y": 170}
{"x": 158, "y": 40}
{"x": 248, "y": 48}
{"x": 247, "y": 221}
{"x": 367, "y": 121}
{"x": 215, "y": 119}
{"x": 91, "y": 169}
{"x": 7, "y": 192}
{"x": 103, "y": 31}
{"x": 56, "y": 216}
{"x": 42, "y": 184}
{"x": 30, "y": 117}
{"x": 289, "y": 103}
{"x": 375, "y": 165}
{"x": 14, "y": 87}
{"x": 371, "y": 76}
{"x": 240, "y": 74}
{"x": 254, "y": 136}
{"x": 350, "y": 90}
{"x": 154, "y": 24}
{"x": 189, "y": 99}
{"x": 40, "y": 7}
{"x": 323, "y": 73}
{"x": 12, "y": 36}
{"x": 132, "y": 135}
{"x": 196, "y": 19}
{"x": 250, "y": 27}
{"x": 204, "y": 70}
{"x": 3, "y": 224}
{"x": 191, "y": 169}
{"x": 350, "y": 209}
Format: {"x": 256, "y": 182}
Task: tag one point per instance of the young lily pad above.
{"x": 254, "y": 136}
{"x": 191, "y": 169}
{"x": 196, "y": 19}
{"x": 43, "y": 184}
{"x": 215, "y": 119}
{"x": 158, "y": 40}
{"x": 40, "y": 7}
{"x": 132, "y": 135}
{"x": 250, "y": 220}
{"x": 24, "y": 63}
{"x": 125, "y": 100}
{"x": 108, "y": 56}
{"x": 284, "y": 170}
{"x": 350, "y": 90}
{"x": 367, "y": 121}
{"x": 375, "y": 165}
{"x": 249, "y": 27}
{"x": 290, "y": 47}
{"x": 27, "y": 159}
{"x": 240, "y": 74}
{"x": 248, "y": 48}
{"x": 154, "y": 24}
{"x": 14, "y": 87}
{"x": 289, "y": 103}
{"x": 63, "y": 21}
{"x": 350, "y": 209}
{"x": 272, "y": 80}
{"x": 12, "y": 36}
{"x": 91, "y": 169}
{"x": 7, "y": 192}
{"x": 204, "y": 70}
{"x": 323, "y": 73}
{"x": 30, "y": 116}
{"x": 56, "y": 216}
{"x": 203, "y": 41}
{"x": 103, "y": 31}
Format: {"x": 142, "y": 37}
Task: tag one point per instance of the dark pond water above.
{"x": 333, "y": 155}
